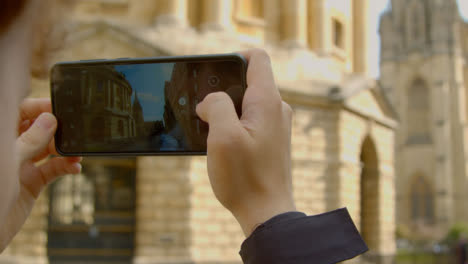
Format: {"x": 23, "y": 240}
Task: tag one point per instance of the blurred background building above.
{"x": 424, "y": 73}
{"x": 345, "y": 130}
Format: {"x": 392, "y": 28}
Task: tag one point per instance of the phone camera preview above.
{"x": 213, "y": 81}
{"x": 149, "y": 114}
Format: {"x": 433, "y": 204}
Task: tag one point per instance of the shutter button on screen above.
{"x": 213, "y": 81}
{"x": 182, "y": 101}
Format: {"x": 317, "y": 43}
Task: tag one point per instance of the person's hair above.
{"x": 9, "y": 11}
{"x": 48, "y": 32}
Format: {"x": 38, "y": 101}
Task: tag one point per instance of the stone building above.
{"x": 162, "y": 209}
{"x": 424, "y": 73}
{"x": 100, "y": 104}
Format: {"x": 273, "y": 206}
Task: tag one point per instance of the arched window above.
{"x": 92, "y": 214}
{"x": 97, "y": 130}
{"x": 338, "y": 34}
{"x": 414, "y": 30}
{"x": 121, "y": 128}
{"x": 73, "y": 200}
{"x": 422, "y": 201}
{"x": 418, "y": 113}
{"x": 415, "y": 24}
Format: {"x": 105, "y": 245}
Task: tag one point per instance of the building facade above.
{"x": 99, "y": 101}
{"x": 424, "y": 73}
{"x": 342, "y": 144}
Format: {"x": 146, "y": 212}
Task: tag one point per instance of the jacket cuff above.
{"x": 296, "y": 238}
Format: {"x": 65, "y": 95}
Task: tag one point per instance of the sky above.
{"x": 377, "y": 7}
{"x": 148, "y": 81}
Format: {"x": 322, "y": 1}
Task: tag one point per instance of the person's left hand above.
{"x": 34, "y": 145}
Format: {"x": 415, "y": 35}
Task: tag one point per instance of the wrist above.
{"x": 252, "y": 214}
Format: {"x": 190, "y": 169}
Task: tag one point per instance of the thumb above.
{"x": 217, "y": 109}
{"x": 37, "y": 137}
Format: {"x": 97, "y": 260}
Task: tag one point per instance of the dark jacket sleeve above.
{"x": 298, "y": 239}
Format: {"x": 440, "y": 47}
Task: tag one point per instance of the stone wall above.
{"x": 163, "y": 209}
{"x": 178, "y": 217}
{"x": 314, "y": 148}
{"x": 216, "y": 235}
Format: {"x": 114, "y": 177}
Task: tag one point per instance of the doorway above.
{"x": 369, "y": 192}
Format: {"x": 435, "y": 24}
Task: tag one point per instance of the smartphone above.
{"x": 143, "y": 106}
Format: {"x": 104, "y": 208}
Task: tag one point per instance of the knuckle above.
{"x": 287, "y": 109}
{"x": 261, "y": 53}
{"x": 26, "y": 102}
{"x": 29, "y": 139}
{"x": 276, "y": 105}
{"x": 230, "y": 140}
{"x": 215, "y": 97}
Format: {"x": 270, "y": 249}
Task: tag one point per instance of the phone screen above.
{"x": 138, "y": 108}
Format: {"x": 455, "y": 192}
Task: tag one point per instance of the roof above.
{"x": 355, "y": 93}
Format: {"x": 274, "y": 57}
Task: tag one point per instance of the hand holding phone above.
{"x": 249, "y": 158}
{"x": 140, "y": 106}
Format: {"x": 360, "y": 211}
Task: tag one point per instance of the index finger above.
{"x": 31, "y": 108}
{"x": 260, "y": 78}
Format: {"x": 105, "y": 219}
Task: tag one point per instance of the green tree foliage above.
{"x": 455, "y": 232}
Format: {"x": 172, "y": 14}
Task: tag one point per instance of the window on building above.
{"x": 100, "y": 86}
{"x": 416, "y": 24}
{"x": 418, "y": 113}
{"x": 111, "y": 94}
{"x": 99, "y": 95}
{"x": 249, "y": 19}
{"x": 97, "y": 129}
{"x": 92, "y": 214}
{"x": 84, "y": 87}
{"x": 121, "y": 128}
{"x": 338, "y": 34}
{"x": 422, "y": 201}
{"x": 251, "y": 8}
{"x": 116, "y": 96}
{"x": 74, "y": 200}
{"x": 122, "y": 101}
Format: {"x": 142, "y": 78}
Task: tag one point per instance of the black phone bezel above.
{"x": 167, "y": 59}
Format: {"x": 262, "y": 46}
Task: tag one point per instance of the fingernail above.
{"x": 45, "y": 121}
{"x": 78, "y": 167}
{"x": 25, "y": 125}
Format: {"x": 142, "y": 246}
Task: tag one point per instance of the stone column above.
{"x": 272, "y": 21}
{"x": 217, "y": 15}
{"x": 361, "y": 36}
{"x": 322, "y": 26}
{"x": 294, "y": 23}
{"x": 172, "y": 12}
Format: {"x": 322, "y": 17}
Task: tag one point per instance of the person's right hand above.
{"x": 249, "y": 161}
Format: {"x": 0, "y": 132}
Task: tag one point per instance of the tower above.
{"x": 422, "y": 75}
